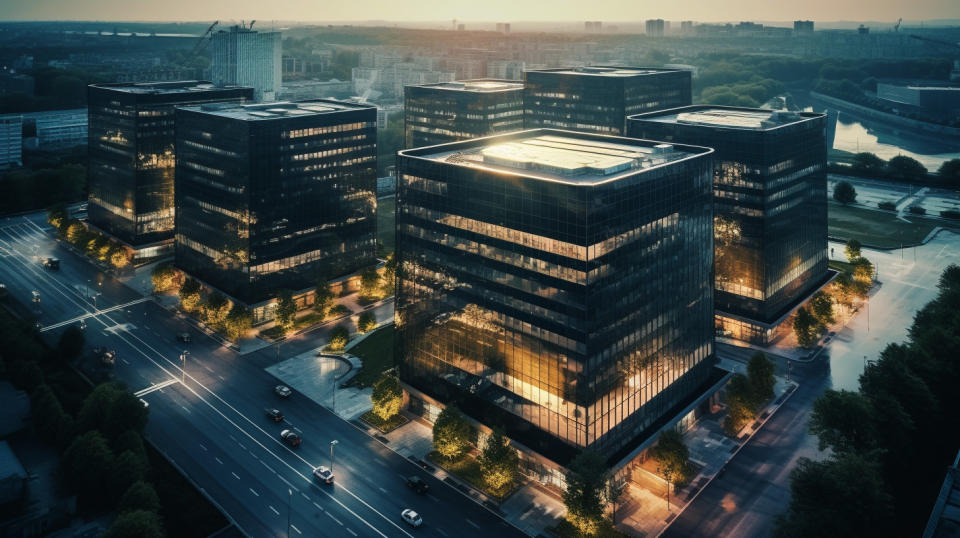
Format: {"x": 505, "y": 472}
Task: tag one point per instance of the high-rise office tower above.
{"x": 274, "y": 196}
{"x": 11, "y": 140}
{"x": 244, "y": 57}
{"x": 451, "y": 111}
{"x": 556, "y": 283}
{"x": 598, "y": 99}
{"x": 656, "y": 27}
{"x": 770, "y": 195}
{"x": 802, "y": 27}
{"x": 130, "y": 151}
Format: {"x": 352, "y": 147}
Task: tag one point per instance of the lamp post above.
{"x": 183, "y": 368}
{"x": 289, "y": 504}
{"x": 332, "y": 444}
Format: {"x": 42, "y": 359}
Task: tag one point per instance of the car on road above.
{"x": 3, "y": 290}
{"x": 417, "y": 484}
{"x": 282, "y": 391}
{"x": 291, "y": 437}
{"x": 106, "y": 356}
{"x": 183, "y": 337}
{"x": 323, "y": 474}
{"x": 411, "y": 518}
{"x": 274, "y": 415}
{"x": 52, "y": 263}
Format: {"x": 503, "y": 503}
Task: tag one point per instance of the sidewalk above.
{"x": 644, "y": 510}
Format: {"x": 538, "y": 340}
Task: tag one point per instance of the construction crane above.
{"x": 896, "y": 27}
{"x": 203, "y": 37}
{"x": 251, "y": 24}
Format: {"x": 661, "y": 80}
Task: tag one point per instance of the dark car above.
{"x": 183, "y": 337}
{"x": 282, "y": 391}
{"x": 275, "y": 415}
{"x": 417, "y": 484}
{"x": 52, "y": 263}
{"x": 291, "y": 437}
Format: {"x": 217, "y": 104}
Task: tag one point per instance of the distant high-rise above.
{"x": 130, "y": 152}
{"x": 503, "y": 27}
{"x": 274, "y": 196}
{"x": 558, "y": 284}
{"x": 451, "y": 111}
{"x": 11, "y": 141}
{"x": 656, "y": 27}
{"x": 593, "y": 27}
{"x": 802, "y": 27}
{"x": 244, "y": 57}
{"x": 770, "y": 198}
{"x": 686, "y": 27}
{"x": 598, "y": 98}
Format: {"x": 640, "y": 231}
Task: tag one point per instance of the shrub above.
{"x": 387, "y": 397}
{"x": 366, "y": 322}
{"x": 950, "y": 214}
{"x": 889, "y": 206}
{"x": 917, "y": 210}
{"x": 844, "y": 193}
{"x": 451, "y": 433}
{"x": 339, "y": 337}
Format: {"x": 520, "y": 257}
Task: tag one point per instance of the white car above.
{"x": 323, "y": 474}
{"x": 411, "y": 518}
{"x": 282, "y": 391}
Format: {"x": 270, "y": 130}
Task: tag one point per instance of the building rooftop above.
{"x": 756, "y": 119}
{"x": 277, "y": 110}
{"x": 607, "y": 71}
{"x": 180, "y": 86}
{"x": 561, "y": 156}
{"x": 482, "y": 85}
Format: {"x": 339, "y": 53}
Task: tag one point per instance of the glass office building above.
{"x": 131, "y": 154}
{"x": 770, "y": 195}
{"x": 452, "y": 111}
{"x": 275, "y": 196}
{"x": 557, "y": 284}
{"x": 598, "y": 99}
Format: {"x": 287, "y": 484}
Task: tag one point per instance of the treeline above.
{"x": 54, "y": 89}
{"x": 889, "y": 442}
{"x": 900, "y": 168}
{"x": 25, "y": 190}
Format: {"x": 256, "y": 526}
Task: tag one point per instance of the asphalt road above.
{"x": 213, "y": 425}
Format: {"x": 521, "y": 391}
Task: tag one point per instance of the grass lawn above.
{"x": 386, "y": 227}
{"x": 387, "y": 426}
{"x": 843, "y": 267}
{"x": 875, "y": 228}
{"x": 376, "y": 352}
{"x": 306, "y": 320}
{"x": 468, "y": 468}
{"x": 566, "y": 530}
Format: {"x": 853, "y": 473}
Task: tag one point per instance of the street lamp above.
{"x": 183, "y": 368}
{"x": 332, "y": 444}
{"x": 289, "y": 504}
{"x": 95, "y": 295}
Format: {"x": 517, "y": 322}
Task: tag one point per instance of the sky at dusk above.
{"x": 478, "y": 10}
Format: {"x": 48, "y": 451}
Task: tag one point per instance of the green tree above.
{"x": 949, "y": 172}
{"x": 905, "y": 168}
{"x": 286, "y": 310}
{"x": 844, "y": 192}
{"x": 322, "y": 297}
{"x": 238, "y": 322}
{"x": 451, "y": 433}
{"x": 216, "y": 308}
{"x": 57, "y": 215}
{"x": 71, "y": 343}
{"x": 127, "y": 468}
{"x": 843, "y": 289}
{"x": 366, "y": 322}
{"x": 806, "y": 327}
{"x": 96, "y": 407}
{"x": 139, "y": 496}
{"x": 672, "y": 457}
{"x": 499, "y": 462}
{"x": 868, "y": 164}
{"x": 119, "y": 257}
{"x": 135, "y": 523}
{"x": 843, "y": 421}
{"x": 586, "y": 480}
{"x": 191, "y": 293}
{"x": 821, "y": 306}
{"x": 85, "y": 465}
{"x": 165, "y": 277}
{"x": 387, "y": 397}
{"x": 853, "y": 250}
{"x": 50, "y": 421}
{"x": 863, "y": 275}
{"x": 339, "y": 337}
{"x": 75, "y": 230}
{"x": 389, "y": 279}
{"x": 741, "y": 407}
{"x": 126, "y": 413}
{"x": 369, "y": 282}
{"x": 760, "y": 375}
{"x": 842, "y": 496}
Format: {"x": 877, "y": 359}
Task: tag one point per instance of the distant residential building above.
{"x": 130, "y": 152}
{"x": 503, "y": 27}
{"x": 451, "y": 111}
{"x": 593, "y": 27}
{"x": 557, "y": 284}
{"x": 57, "y": 129}
{"x": 505, "y": 69}
{"x": 932, "y": 97}
{"x": 656, "y": 27}
{"x": 598, "y": 98}
{"x": 387, "y": 83}
{"x": 274, "y": 196}
{"x": 686, "y": 27}
{"x": 863, "y": 30}
{"x": 302, "y": 90}
{"x": 11, "y": 141}
{"x": 803, "y": 27}
{"x": 244, "y": 57}
{"x": 770, "y": 199}
{"x": 15, "y": 83}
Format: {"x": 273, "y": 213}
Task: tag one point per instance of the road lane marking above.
{"x": 318, "y": 507}
{"x": 185, "y": 409}
{"x": 471, "y": 523}
{"x": 441, "y": 532}
{"x": 221, "y": 377}
{"x": 203, "y": 447}
{"x": 125, "y": 361}
{"x": 305, "y": 496}
{"x": 241, "y": 445}
{"x": 333, "y": 518}
{"x": 218, "y": 460}
{"x": 268, "y": 467}
{"x": 432, "y": 498}
{"x": 235, "y": 475}
{"x": 294, "y": 527}
{"x": 254, "y": 492}
{"x": 274, "y": 509}
{"x": 155, "y": 386}
{"x": 351, "y": 532}
{"x": 383, "y": 490}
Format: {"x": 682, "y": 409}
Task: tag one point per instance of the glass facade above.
{"x": 556, "y": 283}
{"x": 275, "y": 196}
{"x": 770, "y": 199}
{"x": 451, "y": 111}
{"x": 131, "y": 154}
{"x": 598, "y": 99}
